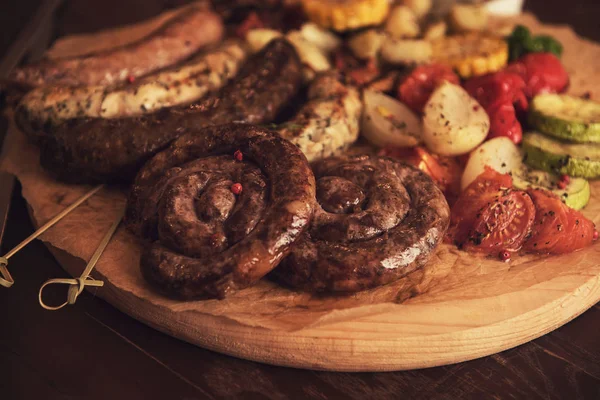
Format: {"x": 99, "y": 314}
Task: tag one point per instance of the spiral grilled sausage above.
{"x": 377, "y": 221}
{"x": 210, "y": 238}
{"x": 110, "y": 150}
{"x": 176, "y": 40}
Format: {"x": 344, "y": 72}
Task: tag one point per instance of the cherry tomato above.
{"x": 542, "y": 73}
{"x": 416, "y": 88}
{"x": 557, "y": 228}
{"x": 445, "y": 171}
{"x": 490, "y": 216}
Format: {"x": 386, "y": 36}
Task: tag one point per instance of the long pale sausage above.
{"x": 176, "y": 40}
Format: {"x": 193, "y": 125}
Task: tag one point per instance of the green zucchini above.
{"x": 552, "y": 155}
{"x": 566, "y": 117}
{"x": 575, "y": 194}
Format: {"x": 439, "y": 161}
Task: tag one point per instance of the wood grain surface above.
{"x": 65, "y": 355}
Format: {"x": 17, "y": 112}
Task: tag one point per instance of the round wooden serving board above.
{"x": 464, "y": 307}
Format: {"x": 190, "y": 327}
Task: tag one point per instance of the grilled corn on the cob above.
{"x": 471, "y": 54}
{"x": 343, "y": 15}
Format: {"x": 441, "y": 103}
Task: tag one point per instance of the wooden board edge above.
{"x": 297, "y": 349}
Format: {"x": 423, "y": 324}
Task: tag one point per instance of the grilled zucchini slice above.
{"x": 566, "y": 117}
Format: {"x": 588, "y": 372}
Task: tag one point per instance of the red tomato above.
{"x": 477, "y": 194}
{"x": 490, "y": 216}
{"x": 557, "y": 228}
{"x": 445, "y": 171}
{"x": 498, "y": 93}
{"x": 417, "y": 87}
{"x": 542, "y": 72}
{"x": 499, "y": 88}
{"x": 504, "y": 122}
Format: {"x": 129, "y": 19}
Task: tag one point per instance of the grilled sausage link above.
{"x": 207, "y": 237}
{"x": 329, "y": 121}
{"x": 46, "y": 107}
{"x": 377, "y": 221}
{"x": 176, "y": 40}
{"x": 112, "y": 150}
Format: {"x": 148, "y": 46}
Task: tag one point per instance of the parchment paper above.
{"x": 268, "y": 305}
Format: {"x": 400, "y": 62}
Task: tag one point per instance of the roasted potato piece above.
{"x": 468, "y": 18}
{"x": 324, "y": 39}
{"x": 419, "y": 7}
{"x": 259, "y": 38}
{"x": 406, "y": 52}
{"x": 435, "y": 30}
{"x": 367, "y": 44}
{"x": 311, "y": 56}
{"x": 402, "y": 23}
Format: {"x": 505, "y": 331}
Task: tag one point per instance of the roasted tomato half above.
{"x": 416, "y": 88}
{"x": 490, "y": 217}
{"x": 445, "y": 171}
{"x": 557, "y": 228}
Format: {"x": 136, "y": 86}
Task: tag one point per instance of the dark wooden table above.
{"x": 93, "y": 351}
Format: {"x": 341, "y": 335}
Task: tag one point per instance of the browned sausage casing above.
{"x": 377, "y": 221}
{"x": 111, "y": 150}
{"x": 206, "y": 240}
{"x": 175, "y": 41}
